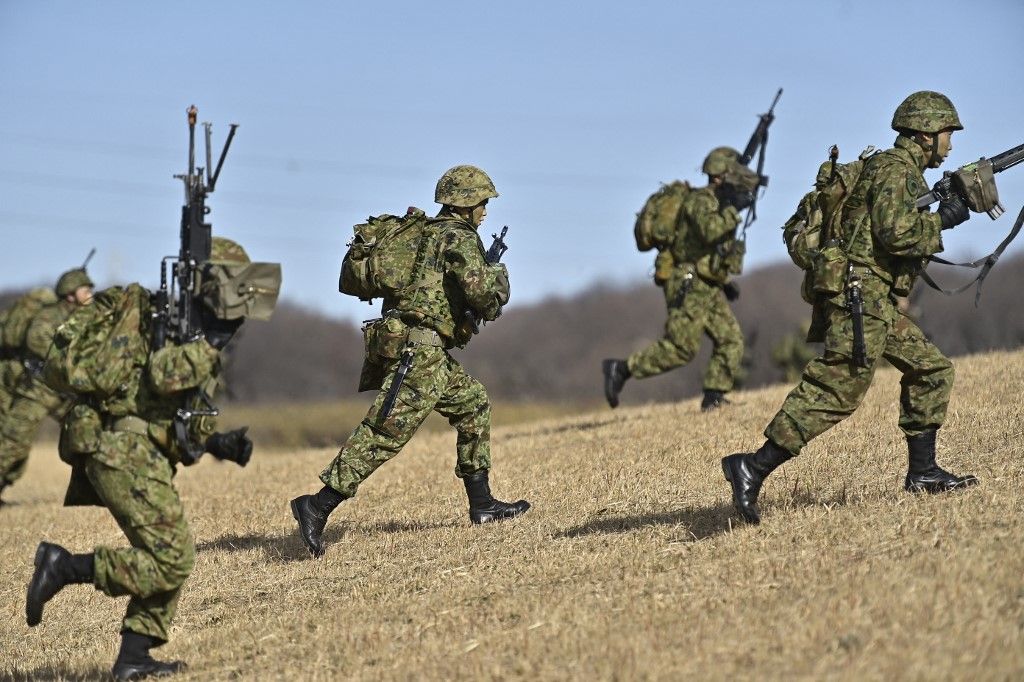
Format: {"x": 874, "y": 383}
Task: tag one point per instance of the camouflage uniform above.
{"x": 123, "y": 457}
{"x": 705, "y": 230}
{"x": 886, "y": 240}
{"x": 436, "y": 380}
{"x": 891, "y": 239}
{"x": 124, "y": 444}
{"x": 32, "y": 399}
{"x": 451, "y": 286}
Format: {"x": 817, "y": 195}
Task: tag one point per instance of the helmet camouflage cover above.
{"x": 927, "y": 112}
{"x": 464, "y": 187}
{"x": 720, "y": 161}
{"x": 234, "y": 287}
{"x": 71, "y": 280}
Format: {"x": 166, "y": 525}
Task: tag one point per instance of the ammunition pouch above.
{"x": 976, "y": 183}
{"x": 240, "y": 290}
{"x": 830, "y": 267}
{"x": 384, "y": 341}
{"x": 79, "y": 433}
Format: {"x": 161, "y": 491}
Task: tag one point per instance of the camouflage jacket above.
{"x": 706, "y": 235}
{"x": 885, "y": 232}
{"x": 455, "y": 278}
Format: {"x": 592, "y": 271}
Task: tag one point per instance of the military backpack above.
{"x": 813, "y": 235}
{"x": 96, "y": 350}
{"x": 655, "y": 226}
{"x": 382, "y": 255}
{"x": 20, "y": 316}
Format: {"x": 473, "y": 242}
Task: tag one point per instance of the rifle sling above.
{"x": 985, "y": 264}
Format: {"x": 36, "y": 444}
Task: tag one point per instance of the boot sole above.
{"x": 479, "y": 521}
{"x": 295, "y": 515}
{"x": 613, "y": 400}
{"x": 739, "y": 510}
{"x": 34, "y": 616}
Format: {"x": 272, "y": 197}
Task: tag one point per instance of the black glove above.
{"x": 741, "y": 199}
{"x": 953, "y": 211}
{"x": 731, "y": 290}
{"x": 233, "y": 446}
{"x": 219, "y": 332}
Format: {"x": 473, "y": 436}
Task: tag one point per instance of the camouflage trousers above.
{"x": 436, "y": 382}
{"x": 18, "y": 428}
{"x": 831, "y": 387}
{"x": 704, "y": 311}
{"x": 133, "y": 480}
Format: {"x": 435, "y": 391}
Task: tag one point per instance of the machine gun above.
{"x": 177, "y": 311}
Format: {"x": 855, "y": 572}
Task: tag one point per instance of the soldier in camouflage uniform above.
{"x": 429, "y": 317}
{"x": 14, "y": 322}
{"x": 888, "y": 240}
{"x": 697, "y": 292}
{"x": 31, "y": 399}
{"x": 124, "y": 450}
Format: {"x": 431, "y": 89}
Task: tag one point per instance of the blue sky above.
{"x": 577, "y": 110}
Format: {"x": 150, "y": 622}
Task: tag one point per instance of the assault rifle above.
{"x": 973, "y": 178}
{"x": 975, "y": 184}
{"x": 177, "y": 310}
{"x": 757, "y": 144}
{"x": 491, "y": 257}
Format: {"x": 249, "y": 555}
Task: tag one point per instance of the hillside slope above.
{"x": 631, "y": 564}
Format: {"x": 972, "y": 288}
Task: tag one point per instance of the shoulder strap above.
{"x": 985, "y": 264}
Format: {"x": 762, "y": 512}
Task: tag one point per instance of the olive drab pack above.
{"x": 95, "y": 350}
{"x": 20, "y": 316}
{"x": 655, "y": 226}
{"x": 813, "y": 234}
{"x": 382, "y": 254}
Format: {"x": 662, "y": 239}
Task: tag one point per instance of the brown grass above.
{"x": 630, "y": 566}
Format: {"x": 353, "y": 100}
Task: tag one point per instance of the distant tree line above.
{"x": 551, "y": 350}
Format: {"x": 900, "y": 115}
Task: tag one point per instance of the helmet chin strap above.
{"x": 932, "y": 149}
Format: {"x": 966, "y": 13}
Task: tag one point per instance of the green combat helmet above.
{"x": 464, "y": 187}
{"x": 71, "y": 280}
{"x": 234, "y": 287}
{"x": 720, "y": 161}
{"x": 927, "y": 112}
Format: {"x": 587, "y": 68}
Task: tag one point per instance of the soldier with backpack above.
{"x": 31, "y": 330}
{"x": 694, "y": 231}
{"x": 863, "y": 241}
{"x": 14, "y": 322}
{"x": 436, "y": 287}
{"x": 141, "y": 408}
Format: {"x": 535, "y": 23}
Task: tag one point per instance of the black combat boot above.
{"x": 615, "y": 374}
{"x": 747, "y": 471}
{"x": 311, "y": 511}
{"x": 712, "y": 400}
{"x": 134, "y": 662}
{"x": 55, "y": 568}
{"x": 924, "y": 475}
{"x": 482, "y": 507}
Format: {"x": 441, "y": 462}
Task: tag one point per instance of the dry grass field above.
{"x": 631, "y": 565}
